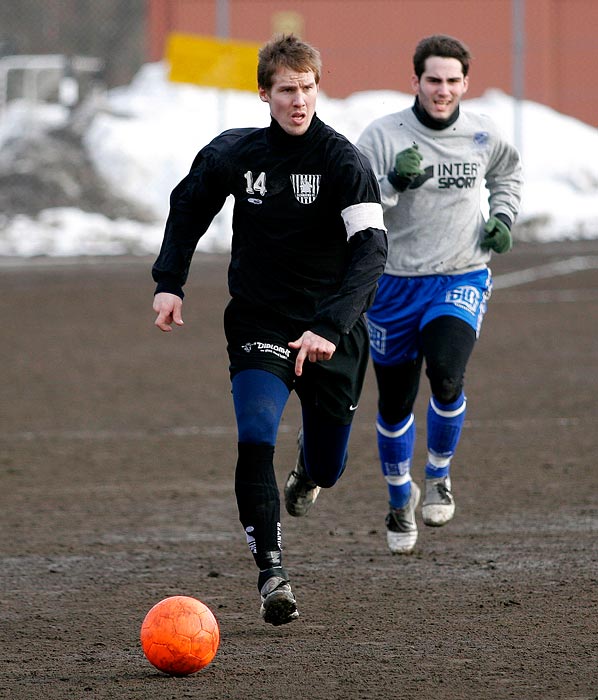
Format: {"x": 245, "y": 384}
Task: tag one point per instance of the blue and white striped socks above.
{"x": 395, "y": 447}
{"x": 445, "y": 422}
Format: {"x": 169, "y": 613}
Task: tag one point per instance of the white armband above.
{"x": 358, "y": 217}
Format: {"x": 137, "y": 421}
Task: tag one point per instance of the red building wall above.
{"x": 368, "y": 44}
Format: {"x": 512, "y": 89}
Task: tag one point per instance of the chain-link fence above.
{"x": 57, "y": 58}
{"x": 111, "y": 32}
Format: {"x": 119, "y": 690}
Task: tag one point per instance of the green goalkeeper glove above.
{"x": 407, "y": 168}
{"x": 498, "y": 236}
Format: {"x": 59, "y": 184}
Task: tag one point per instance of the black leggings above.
{"x": 446, "y": 344}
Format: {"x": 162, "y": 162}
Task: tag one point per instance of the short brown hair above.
{"x": 287, "y": 51}
{"x": 440, "y": 45}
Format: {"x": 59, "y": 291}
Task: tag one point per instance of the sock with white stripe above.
{"x": 445, "y": 422}
{"x": 395, "y": 447}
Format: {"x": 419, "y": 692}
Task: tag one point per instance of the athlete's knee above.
{"x": 395, "y": 402}
{"x": 394, "y": 412}
{"x": 259, "y": 398}
{"x": 398, "y": 386}
{"x": 258, "y": 425}
{"x": 445, "y": 389}
{"x": 447, "y": 343}
{"x": 326, "y": 466}
{"x": 325, "y": 446}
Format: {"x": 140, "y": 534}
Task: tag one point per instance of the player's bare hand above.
{"x": 313, "y": 348}
{"x": 169, "y": 308}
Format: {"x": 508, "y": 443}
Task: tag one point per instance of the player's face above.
{"x": 292, "y": 100}
{"x": 441, "y": 86}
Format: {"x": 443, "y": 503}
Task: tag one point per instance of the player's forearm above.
{"x": 171, "y": 268}
{"x": 356, "y": 293}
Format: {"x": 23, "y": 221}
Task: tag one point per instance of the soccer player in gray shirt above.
{"x": 432, "y": 161}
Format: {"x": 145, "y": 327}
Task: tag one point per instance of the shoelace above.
{"x": 444, "y": 492}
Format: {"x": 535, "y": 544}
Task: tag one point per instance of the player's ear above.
{"x": 415, "y": 83}
{"x": 465, "y": 83}
{"x": 263, "y": 93}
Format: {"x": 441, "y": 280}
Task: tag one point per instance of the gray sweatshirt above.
{"x": 436, "y": 225}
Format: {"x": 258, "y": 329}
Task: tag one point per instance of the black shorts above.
{"x": 331, "y": 387}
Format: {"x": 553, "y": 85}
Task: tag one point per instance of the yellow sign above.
{"x": 215, "y": 62}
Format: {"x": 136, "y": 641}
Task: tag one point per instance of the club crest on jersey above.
{"x": 481, "y": 138}
{"x": 306, "y": 187}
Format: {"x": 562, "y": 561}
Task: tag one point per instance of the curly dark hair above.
{"x": 440, "y": 45}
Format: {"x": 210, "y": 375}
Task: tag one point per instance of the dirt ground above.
{"x": 117, "y": 450}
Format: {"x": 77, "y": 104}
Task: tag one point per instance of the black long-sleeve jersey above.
{"x": 308, "y": 243}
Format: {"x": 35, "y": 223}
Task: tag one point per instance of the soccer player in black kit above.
{"x": 308, "y": 247}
